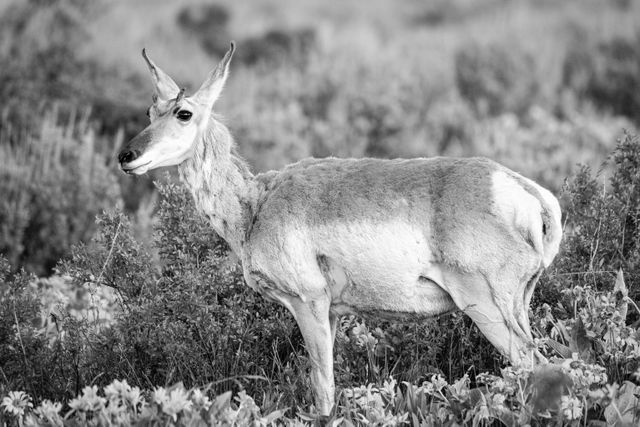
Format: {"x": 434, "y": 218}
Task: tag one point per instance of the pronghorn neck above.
{"x": 221, "y": 183}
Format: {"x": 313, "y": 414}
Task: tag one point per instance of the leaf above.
{"x": 621, "y": 411}
{"x": 221, "y": 402}
{"x": 561, "y": 349}
{"x": 275, "y": 415}
{"x": 563, "y": 330}
{"x": 580, "y": 342}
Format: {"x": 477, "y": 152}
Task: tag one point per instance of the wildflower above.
{"x": 498, "y": 400}
{"x": 159, "y": 395}
{"x": 597, "y": 395}
{"x": 461, "y": 387}
{"x": 364, "y": 338}
{"x": 365, "y": 396}
{"x": 16, "y": 403}
{"x": 389, "y": 389}
{"x": 48, "y": 409}
{"x": 134, "y": 397}
{"x": 438, "y": 382}
{"x": 571, "y": 407}
{"x": 117, "y": 389}
{"x": 89, "y": 401}
{"x": 173, "y": 402}
{"x": 119, "y": 392}
{"x": 199, "y": 399}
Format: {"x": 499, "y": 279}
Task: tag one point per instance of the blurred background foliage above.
{"x": 540, "y": 86}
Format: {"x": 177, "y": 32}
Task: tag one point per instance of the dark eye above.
{"x": 184, "y": 115}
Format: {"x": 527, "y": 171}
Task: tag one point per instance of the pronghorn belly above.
{"x": 384, "y": 269}
{"x": 418, "y": 300}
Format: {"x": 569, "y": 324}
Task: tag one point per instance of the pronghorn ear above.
{"x": 212, "y": 86}
{"x": 164, "y": 88}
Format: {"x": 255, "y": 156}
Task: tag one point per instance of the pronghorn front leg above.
{"x": 318, "y": 330}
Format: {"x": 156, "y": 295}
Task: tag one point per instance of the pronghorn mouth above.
{"x": 131, "y": 171}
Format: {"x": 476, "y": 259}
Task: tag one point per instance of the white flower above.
{"x": 199, "y": 399}
{"x": 389, "y": 389}
{"x": 117, "y": 389}
{"x": 16, "y": 403}
{"x": 173, "y": 402}
{"x": 571, "y": 407}
{"x": 498, "y": 400}
{"x": 159, "y": 395}
{"x": 364, "y": 338}
{"x": 119, "y": 392}
{"x": 89, "y": 401}
{"x": 367, "y": 397}
{"x": 48, "y": 409}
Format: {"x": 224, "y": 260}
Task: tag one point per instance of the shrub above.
{"x": 604, "y": 213}
{"x": 208, "y": 23}
{"x": 54, "y": 182}
{"x": 192, "y": 320}
{"x": 40, "y": 65}
{"x": 607, "y": 74}
{"x": 279, "y": 46}
{"x": 539, "y": 138}
{"x": 496, "y": 79}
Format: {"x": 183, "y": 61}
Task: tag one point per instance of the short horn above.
{"x": 180, "y": 96}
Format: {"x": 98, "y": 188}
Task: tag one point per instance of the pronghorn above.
{"x": 327, "y": 237}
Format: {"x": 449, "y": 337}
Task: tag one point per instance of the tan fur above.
{"x": 405, "y": 238}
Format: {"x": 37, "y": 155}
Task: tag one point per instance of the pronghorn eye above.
{"x": 184, "y": 115}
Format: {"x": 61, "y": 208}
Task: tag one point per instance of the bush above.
{"x": 198, "y": 296}
{"x": 608, "y": 74}
{"x": 54, "y": 182}
{"x": 604, "y": 213}
{"x": 496, "y": 79}
{"x": 539, "y": 138}
{"x": 41, "y": 67}
{"x": 192, "y": 320}
{"x": 279, "y": 46}
{"x": 208, "y": 23}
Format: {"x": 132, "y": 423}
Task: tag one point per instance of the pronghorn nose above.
{"x": 128, "y": 156}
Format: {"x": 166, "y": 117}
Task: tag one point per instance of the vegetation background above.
{"x": 105, "y": 277}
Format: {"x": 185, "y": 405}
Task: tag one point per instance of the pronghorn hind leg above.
{"x": 317, "y": 328}
{"x": 492, "y": 310}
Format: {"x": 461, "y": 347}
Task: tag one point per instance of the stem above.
{"x": 24, "y": 353}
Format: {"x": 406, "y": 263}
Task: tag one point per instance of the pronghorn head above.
{"x": 177, "y": 121}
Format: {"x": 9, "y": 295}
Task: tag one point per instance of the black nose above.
{"x": 128, "y": 156}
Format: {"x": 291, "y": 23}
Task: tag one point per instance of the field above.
{"x": 119, "y": 304}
